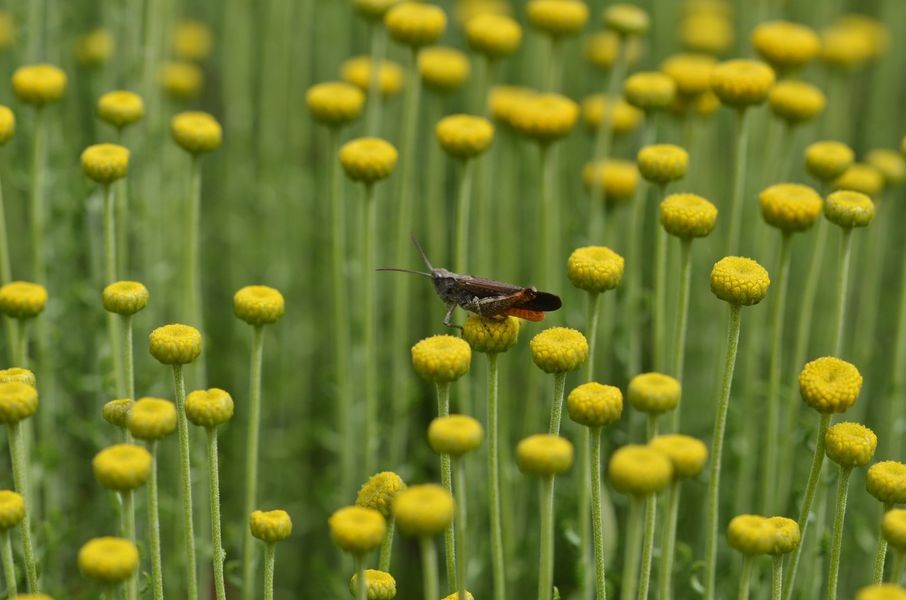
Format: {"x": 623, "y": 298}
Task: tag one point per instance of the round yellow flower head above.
{"x": 466, "y": 10}
{"x": 258, "y": 305}
{"x": 151, "y": 419}
{"x": 18, "y": 401}
{"x": 687, "y": 454}
{"x": 22, "y": 300}
{"x": 751, "y": 534}
{"x": 192, "y": 40}
{"x": 443, "y": 69}
{"x": 559, "y": 350}
{"x": 687, "y": 216}
{"x": 182, "y": 80}
{"x": 464, "y": 136}
{"x": 595, "y": 269}
{"x": 691, "y": 72}
{"x": 455, "y": 596}
{"x": 209, "y": 408}
{"x": 95, "y": 47}
{"x": 740, "y": 281}
{"x": 357, "y": 71}
{"x": 828, "y": 160}
{"x": 830, "y": 385}
{"x": 335, "y": 103}
{"x": 626, "y": 19}
{"x": 790, "y": 206}
{"x": 503, "y": 100}
{"x": 356, "y": 529}
{"x": 105, "y": 163}
{"x": 707, "y": 33}
{"x": 544, "y": 455}
{"x": 273, "y": 526}
{"x": 622, "y": 116}
{"x": 849, "y": 209}
{"x": 653, "y": 393}
{"x": 796, "y": 101}
{"x": 441, "y": 358}
{"x": 379, "y": 492}
{"x": 368, "y": 159}
{"x": 890, "y": 163}
{"x": 121, "y": 108}
{"x": 639, "y": 470}
{"x": 175, "y": 344}
{"x": 415, "y": 24}
{"x": 122, "y": 467}
{"x": 862, "y": 178}
{"x": 7, "y": 124}
{"x": 455, "y": 434}
{"x": 493, "y": 35}
{"x": 618, "y": 178}
{"x": 662, "y": 163}
{"x": 374, "y": 10}
{"x": 491, "y": 335}
{"x": 882, "y": 591}
{"x": 116, "y": 412}
{"x": 108, "y": 559}
{"x": 850, "y": 444}
{"x": 423, "y": 510}
{"x": 784, "y": 45}
{"x": 125, "y": 297}
{"x": 601, "y": 48}
{"x": 32, "y": 597}
{"x": 379, "y": 585}
{"x": 545, "y": 117}
{"x": 7, "y": 30}
{"x": 557, "y": 18}
{"x": 741, "y": 83}
{"x": 18, "y": 374}
{"x": 12, "y": 509}
{"x": 650, "y": 90}
{"x": 595, "y": 405}
{"x": 845, "y": 48}
{"x": 875, "y": 33}
{"x": 39, "y": 84}
{"x": 786, "y": 535}
{"x": 893, "y": 527}
{"x": 886, "y": 481}
{"x": 196, "y": 132}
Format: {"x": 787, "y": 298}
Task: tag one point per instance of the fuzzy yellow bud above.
{"x": 595, "y": 405}
{"x": 559, "y": 350}
{"x": 849, "y": 209}
{"x": 105, "y": 163}
{"x": 493, "y": 35}
{"x": 7, "y": 124}
{"x": 828, "y": 160}
{"x": 151, "y": 419}
{"x": 790, "y": 207}
{"x": 175, "y": 344}
{"x": 271, "y": 526}
{"x": 662, "y": 163}
{"x": 125, "y": 297}
{"x": 258, "y": 305}
{"x": 544, "y": 117}
{"x": 335, "y": 103}
{"x": 441, "y": 358}
{"x": 108, "y": 559}
{"x": 544, "y": 455}
{"x": 379, "y": 492}
{"x": 687, "y": 216}
{"x": 182, "y": 80}
{"x": 850, "y": 444}
{"x": 740, "y": 281}
{"x": 18, "y": 401}
{"x": 121, "y": 108}
{"x": 379, "y": 585}
{"x": 639, "y": 470}
{"x": 443, "y": 69}
{"x": 557, "y": 18}
{"x": 368, "y": 159}
{"x": 886, "y": 481}
{"x": 12, "y": 509}
{"x": 796, "y": 101}
{"x": 22, "y": 299}
{"x": 423, "y": 510}
{"x": 595, "y": 269}
{"x": 653, "y": 393}
{"x": 196, "y": 132}
{"x": 686, "y": 454}
{"x": 122, "y": 467}
{"x": 209, "y": 408}
{"x": 491, "y": 335}
{"x": 415, "y": 24}
{"x": 464, "y": 136}
{"x": 830, "y": 385}
{"x": 455, "y": 434}
{"x": 39, "y": 84}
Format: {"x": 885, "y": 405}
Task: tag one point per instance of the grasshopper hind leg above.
{"x": 448, "y": 318}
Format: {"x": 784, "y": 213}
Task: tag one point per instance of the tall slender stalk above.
{"x": 585, "y": 458}
{"x": 20, "y": 464}
{"x": 9, "y": 565}
{"x": 270, "y": 552}
{"x": 659, "y": 325}
{"x": 648, "y": 545}
{"x": 446, "y": 479}
{"x": 836, "y": 546}
{"x": 387, "y": 546}
{"x": 429, "y": 568}
{"x": 777, "y": 577}
{"x": 739, "y": 179}
{"x": 497, "y": 557}
{"x": 895, "y": 401}
{"x": 460, "y": 523}
{"x": 842, "y": 289}
{"x": 370, "y": 440}
{"x": 880, "y": 554}
{"x": 463, "y": 207}
{"x": 157, "y": 574}
{"x": 668, "y": 545}
{"x": 896, "y": 576}
{"x": 36, "y": 204}
{"x": 188, "y": 524}
{"x": 546, "y": 558}
{"x": 557, "y": 406}
{"x": 216, "y": 538}
{"x": 251, "y": 462}
{"x": 375, "y": 100}
{"x": 548, "y": 252}
{"x": 362, "y": 587}
{"x": 594, "y": 440}
{"x": 128, "y": 501}
{"x": 192, "y": 265}
{"x": 6, "y": 272}
{"x": 682, "y": 317}
{"x": 633, "y": 550}
{"x": 745, "y": 578}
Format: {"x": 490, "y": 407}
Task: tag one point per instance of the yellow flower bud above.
{"x": 751, "y": 534}
{"x": 379, "y": 585}
{"x": 258, "y": 305}
{"x": 503, "y": 100}
{"x": 32, "y": 597}
{"x": 862, "y": 178}
{"x": 626, "y": 19}
{"x": 105, "y": 163}
{"x": 890, "y": 163}
{"x": 849, "y": 209}
{"x": 557, "y": 18}
{"x": 595, "y": 269}
{"x": 559, "y": 350}
{"x": 108, "y": 559}
{"x": 209, "y": 408}
{"x": 544, "y": 117}
{"x": 443, "y": 69}
{"x": 455, "y": 435}
{"x": 653, "y": 393}
{"x": 95, "y": 48}
{"x": 441, "y": 358}
{"x": 662, "y": 163}
{"x": 423, "y": 510}
{"x": 544, "y": 455}
{"x": 415, "y": 24}
{"x": 491, "y": 335}
{"x": 196, "y": 132}
{"x": 850, "y": 444}
{"x": 455, "y": 596}
{"x": 175, "y": 344}
{"x": 828, "y": 160}
{"x": 18, "y": 374}
{"x": 618, "y": 179}
{"x": 357, "y": 71}
{"x": 687, "y": 454}
{"x": 271, "y": 526}
{"x": 374, "y": 10}
{"x": 650, "y": 90}
{"x": 12, "y": 509}
{"x": 785, "y": 45}
{"x": 495, "y": 36}
{"x": 740, "y": 281}
{"x": 595, "y": 405}
{"x": 687, "y": 216}
{"x": 796, "y": 101}
{"x": 886, "y": 481}
{"x": 741, "y": 83}
{"x": 116, "y": 412}
{"x": 335, "y": 103}
{"x": 379, "y": 492}
{"x": 151, "y": 419}
{"x": 125, "y": 297}
{"x": 22, "y": 300}
{"x": 691, "y": 72}
{"x": 786, "y": 535}
{"x": 182, "y": 80}
{"x": 893, "y": 527}
{"x": 845, "y": 48}
{"x": 368, "y": 159}
{"x": 882, "y": 591}
{"x": 601, "y": 48}
{"x": 7, "y": 124}
{"x": 7, "y": 30}
{"x": 122, "y": 467}
{"x": 830, "y": 385}
{"x": 121, "y": 108}
{"x": 622, "y": 116}
{"x": 192, "y": 40}
{"x": 706, "y": 33}
{"x": 39, "y": 84}
{"x": 790, "y": 207}
{"x": 18, "y": 401}
{"x": 639, "y": 470}
{"x": 464, "y": 136}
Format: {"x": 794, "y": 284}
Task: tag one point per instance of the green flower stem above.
{"x": 460, "y": 523}
{"x": 429, "y": 569}
{"x": 497, "y": 558}
{"x": 549, "y": 251}
{"x": 633, "y": 549}
{"x": 157, "y": 574}
{"x": 188, "y": 527}
{"x": 899, "y": 562}
{"x": 546, "y": 559}
{"x": 270, "y": 551}
{"x": 554, "y": 75}
{"x": 745, "y": 578}
{"x": 375, "y": 98}
{"x": 894, "y": 439}
{"x": 251, "y": 462}
{"x": 387, "y": 545}
{"x": 717, "y": 446}
{"x": 216, "y": 538}
{"x": 446, "y": 478}
{"x": 668, "y": 545}
{"x": 463, "y": 206}
{"x": 20, "y": 351}
{"x": 839, "y": 515}
{"x": 682, "y": 318}
{"x": 880, "y": 554}
{"x": 604, "y": 137}
{"x": 110, "y": 271}
{"x": 362, "y": 587}
{"x": 20, "y": 464}
{"x": 36, "y": 203}
{"x": 128, "y": 500}
{"x": 5, "y": 269}
{"x": 584, "y": 572}
{"x": 594, "y": 441}
{"x": 192, "y": 264}
{"x": 648, "y": 545}
{"x": 122, "y": 220}
{"x": 842, "y": 289}
{"x": 128, "y": 365}
{"x": 340, "y": 314}
{"x": 811, "y": 488}
{"x": 592, "y": 332}
{"x": 769, "y": 467}
{"x": 369, "y": 229}
{"x": 9, "y": 565}
{"x": 777, "y": 577}
{"x": 739, "y": 180}
{"x": 557, "y": 406}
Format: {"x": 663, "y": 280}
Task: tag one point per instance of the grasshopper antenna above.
{"x": 422, "y": 252}
{"x": 406, "y": 271}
